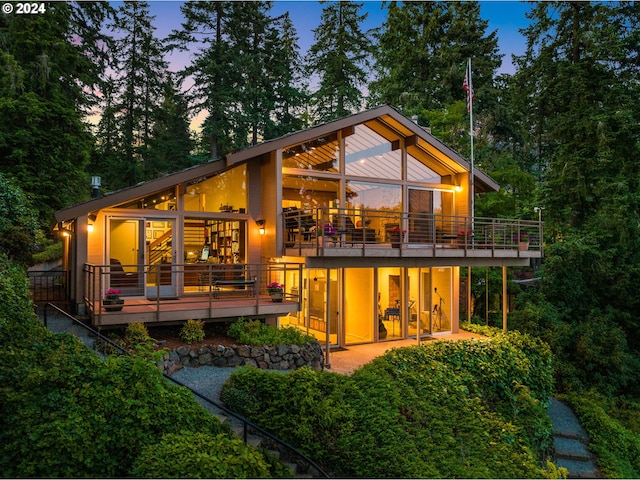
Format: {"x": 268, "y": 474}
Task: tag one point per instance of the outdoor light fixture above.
{"x": 260, "y": 224}
{"x": 458, "y": 188}
{"x": 90, "y": 228}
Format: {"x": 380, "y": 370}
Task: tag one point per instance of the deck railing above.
{"x": 190, "y": 282}
{"x": 325, "y": 227}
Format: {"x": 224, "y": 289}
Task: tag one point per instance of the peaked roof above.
{"x": 386, "y": 116}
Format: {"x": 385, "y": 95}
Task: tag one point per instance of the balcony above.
{"x": 352, "y": 233}
{"x": 164, "y": 292}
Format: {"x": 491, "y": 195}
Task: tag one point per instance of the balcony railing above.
{"x": 345, "y": 227}
{"x": 207, "y": 287}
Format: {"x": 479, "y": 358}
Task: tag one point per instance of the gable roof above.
{"x": 388, "y": 118}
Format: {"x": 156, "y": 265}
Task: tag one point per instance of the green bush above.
{"x": 615, "y": 445}
{"x": 192, "y": 331}
{"x": 136, "y": 333}
{"x": 447, "y": 409}
{"x": 200, "y": 455}
{"x": 67, "y": 413}
{"x": 254, "y": 332}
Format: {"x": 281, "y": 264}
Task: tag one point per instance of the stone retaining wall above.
{"x": 278, "y": 357}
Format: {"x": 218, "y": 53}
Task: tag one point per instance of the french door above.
{"x": 142, "y": 256}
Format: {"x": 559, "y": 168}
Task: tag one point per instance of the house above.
{"x": 365, "y": 222}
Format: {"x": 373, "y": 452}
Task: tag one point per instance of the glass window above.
{"x": 390, "y": 301}
{"x": 369, "y": 154}
{"x": 226, "y": 192}
{"x": 374, "y": 196}
{"x": 419, "y": 172}
{"x": 164, "y": 200}
{"x": 320, "y": 154}
{"x": 309, "y": 192}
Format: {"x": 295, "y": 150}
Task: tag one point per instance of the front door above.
{"x": 126, "y": 256}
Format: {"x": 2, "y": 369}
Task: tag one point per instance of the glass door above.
{"x": 160, "y": 252}
{"x": 126, "y": 256}
{"x": 421, "y": 226}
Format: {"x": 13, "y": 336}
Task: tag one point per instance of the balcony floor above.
{"x": 138, "y": 309}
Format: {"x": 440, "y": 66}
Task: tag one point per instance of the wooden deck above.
{"x": 138, "y": 309}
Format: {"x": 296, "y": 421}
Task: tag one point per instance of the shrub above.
{"x": 192, "y": 331}
{"x": 201, "y": 455}
{"x": 447, "y": 409}
{"x": 136, "y": 333}
{"x": 617, "y": 447}
{"x": 67, "y": 413}
{"x": 254, "y": 332}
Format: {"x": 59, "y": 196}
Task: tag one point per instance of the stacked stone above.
{"x": 278, "y": 357}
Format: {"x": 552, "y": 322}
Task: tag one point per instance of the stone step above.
{"x": 578, "y": 469}
{"x": 571, "y": 449}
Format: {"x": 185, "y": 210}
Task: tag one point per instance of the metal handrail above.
{"x": 245, "y": 422}
{"x": 203, "y": 278}
{"x": 340, "y": 227}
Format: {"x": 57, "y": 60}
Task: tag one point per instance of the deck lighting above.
{"x": 260, "y": 224}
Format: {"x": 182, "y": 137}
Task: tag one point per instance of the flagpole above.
{"x": 472, "y": 182}
{"x": 472, "y": 173}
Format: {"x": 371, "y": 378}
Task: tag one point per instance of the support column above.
{"x": 504, "y": 298}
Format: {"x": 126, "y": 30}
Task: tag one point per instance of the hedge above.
{"x": 471, "y": 409}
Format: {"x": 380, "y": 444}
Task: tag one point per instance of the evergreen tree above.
{"x": 578, "y": 89}
{"x": 286, "y": 76}
{"x": 49, "y": 68}
{"x": 212, "y": 70}
{"x": 139, "y": 73}
{"x": 170, "y": 144}
{"x": 422, "y": 54}
{"x": 340, "y": 57}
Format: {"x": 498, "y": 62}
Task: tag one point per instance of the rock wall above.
{"x": 278, "y": 357}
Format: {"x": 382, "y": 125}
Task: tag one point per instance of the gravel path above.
{"x": 205, "y": 380}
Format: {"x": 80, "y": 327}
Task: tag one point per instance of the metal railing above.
{"x": 325, "y": 227}
{"x": 247, "y": 425}
{"x": 48, "y": 285}
{"x": 190, "y": 282}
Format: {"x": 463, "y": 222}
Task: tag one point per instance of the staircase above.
{"x": 570, "y": 442}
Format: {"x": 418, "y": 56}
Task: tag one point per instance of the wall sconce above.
{"x": 458, "y": 188}
{"x": 260, "y": 224}
{"x": 90, "y": 228}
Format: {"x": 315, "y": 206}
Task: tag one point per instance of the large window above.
{"x": 225, "y": 192}
{"x": 309, "y": 192}
{"x": 320, "y": 155}
{"x": 369, "y": 154}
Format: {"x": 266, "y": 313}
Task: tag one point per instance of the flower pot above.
{"x": 113, "y": 305}
{"x": 396, "y": 240}
{"x": 523, "y": 246}
{"x": 276, "y": 296}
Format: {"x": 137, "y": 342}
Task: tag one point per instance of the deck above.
{"x": 137, "y": 309}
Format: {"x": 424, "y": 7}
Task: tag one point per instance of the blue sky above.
{"x": 507, "y": 17}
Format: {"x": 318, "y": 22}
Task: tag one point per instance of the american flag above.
{"x": 467, "y": 85}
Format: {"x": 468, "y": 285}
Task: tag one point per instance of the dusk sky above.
{"x": 507, "y": 17}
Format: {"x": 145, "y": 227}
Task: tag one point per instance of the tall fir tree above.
{"x": 340, "y": 58}
{"x": 170, "y": 145}
{"x": 577, "y": 86}
{"x": 50, "y": 68}
{"x": 211, "y": 71}
{"x": 422, "y": 53}
{"x": 140, "y": 70}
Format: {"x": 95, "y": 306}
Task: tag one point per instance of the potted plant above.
{"x": 523, "y": 242}
{"x": 276, "y": 290}
{"x": 396, "y": 236}
{"x": 330, "y": 234}
{"x": 112, "y": 301}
